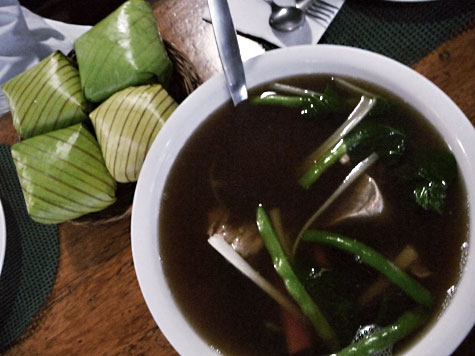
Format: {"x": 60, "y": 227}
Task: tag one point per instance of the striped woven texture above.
{"x": 62, "y": 175}
{"x": 46, "y": 97}
{"x": 122, "y": 50}
{"x": 126, "y": 125}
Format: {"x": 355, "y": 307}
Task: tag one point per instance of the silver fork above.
{"x": 318, "y": 9}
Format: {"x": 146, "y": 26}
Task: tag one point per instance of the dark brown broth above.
{"x": 258, "y": 150}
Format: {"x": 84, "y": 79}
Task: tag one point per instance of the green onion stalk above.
{"x": 293, "y": 284}
{"x": 387, "y": 336}
{"x": 377, "y": 261}
{"x": 310, "y": 104}
{"x": 365, "y": 139}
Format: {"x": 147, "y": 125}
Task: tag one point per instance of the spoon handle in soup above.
{"x": 228, "y": 48}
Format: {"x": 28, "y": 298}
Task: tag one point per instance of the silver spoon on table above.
{"x": 285, "y": 18}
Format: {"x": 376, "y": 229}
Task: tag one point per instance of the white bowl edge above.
{"x": 346, "y": 61}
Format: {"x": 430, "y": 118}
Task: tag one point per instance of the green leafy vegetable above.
{"x": 126, "y": 125}
{"x": 360, "y": 111}
{"x": 369, "y": 137}
{"x": 383, "y": 107}
{"x": 46, "y": 97}
{"x": 374, "y": 259}
{"x": 337, "y": 297}
{"x": 292, "y": 283}
{"x": 365, "y": 139}
{"x": 123, "y": 50}
{"x": 429, "y": 174}
{"x": 62, "y": 175}
{"x": 387, "y": 336}
{"x": 310, "y": 106}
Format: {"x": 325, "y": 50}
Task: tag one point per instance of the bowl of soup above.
{"x": 376, "y": 240}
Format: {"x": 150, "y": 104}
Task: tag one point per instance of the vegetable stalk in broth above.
{"x": 390, "y": 265}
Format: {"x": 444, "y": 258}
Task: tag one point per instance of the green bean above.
{"x": 387, "y": 336}
{"x": 293, "y": 284}
{"x": 374, "y": 259}
{"x": 366, "y": 138}
{"x": 312, "y": 105}
{"x": 321, "y": 165}
{"x": 277, "y": 100}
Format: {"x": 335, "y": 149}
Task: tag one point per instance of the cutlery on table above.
{"x": 290, "y": 18}
{"x": 285, "y": 18}
{"x": 228, "y": 48}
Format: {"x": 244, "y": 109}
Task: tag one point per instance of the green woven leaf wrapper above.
{"x": 123, "y": 50}
{"x": 126, "y": 125}
{"x": 62, "y": 175}
{"x": 46, "y": 97}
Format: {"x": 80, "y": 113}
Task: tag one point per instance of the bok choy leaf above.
{"x": 366, "y": 138}
{"x": 429, "y": 174}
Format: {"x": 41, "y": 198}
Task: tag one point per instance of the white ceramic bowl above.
{"x": 458, "y": 318}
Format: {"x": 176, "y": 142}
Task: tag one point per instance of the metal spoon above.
{"x": 285, "y": 19}
{"x": 228, "y": 49}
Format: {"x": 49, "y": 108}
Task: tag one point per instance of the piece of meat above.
{"x": 245, "y": 238}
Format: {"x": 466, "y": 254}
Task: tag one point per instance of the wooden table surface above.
{"x": 96, "y": 307}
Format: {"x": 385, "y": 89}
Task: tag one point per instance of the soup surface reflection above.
{"x": 250, "y": 155}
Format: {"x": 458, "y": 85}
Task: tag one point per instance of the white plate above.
{"x": 444, "y": 336}
{"x": 3, "y": 237}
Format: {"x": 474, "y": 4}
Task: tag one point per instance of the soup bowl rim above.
{"x": 442, "y": 337}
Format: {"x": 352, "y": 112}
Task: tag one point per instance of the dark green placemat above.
{"x": 31, "y": 258}
{"x": 403, "y": 31}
